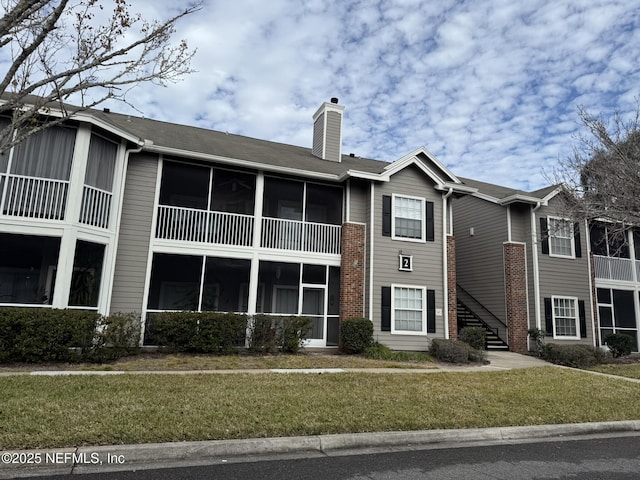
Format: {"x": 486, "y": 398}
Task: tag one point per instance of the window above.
{"x": 408, "y": 218}
{"x": 408, "y": 310}
{"x": 561, "y": 238}
{"x": 565, "y": 317}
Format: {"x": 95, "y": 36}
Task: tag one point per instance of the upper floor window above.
{"x": 101, "y": 163}
{"x": 407, "y": 218}
{"x": 201, "y": 187}
{"x": 298, "y": 200}
{"x": 610, "y": 242}
{"x": 45, "y": 154}
{"x": 561, "y": 237}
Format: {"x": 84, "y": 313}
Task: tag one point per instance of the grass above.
{"x": 161, "y": 361}
{"x": 44, "y": 412}
{"x": 630, "y": 370}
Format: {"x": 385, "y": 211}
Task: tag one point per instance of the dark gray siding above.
{"x": 135, "y": 231}
{"x": 427, "y": 257}
{"x": 564, "y": 276}
{"x": 318, "y": 131}
{"x": 480, "y": 257}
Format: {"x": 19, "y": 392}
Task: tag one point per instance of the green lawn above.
{"x": 49, "y": 412}
{"x": 630, "y": 370}
{"x": 162, "y": 361}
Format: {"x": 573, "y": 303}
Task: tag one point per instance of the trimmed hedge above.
{"x": 476, "y": 337}
{"x": 454, "y": 351}
{"x": 356, "y": 334}
{"x": 45, "y": 334}
{"x": 201, "y": 332}
{"x": 576, "y": 356}
{"x": 271, "y": 333}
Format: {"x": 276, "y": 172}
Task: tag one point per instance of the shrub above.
{"x": 454, "y": 351}
{"x": 576, "y": 356}
{"x": 378, "y": 351}
{"x": 291, "y": 333}
{"x": 619, "y": 344}
{"x": 356, "y": 334}
{"x": 219, "y": 332}
{"x": 537, "y": 336}
{"x": 476, "y": 337}
{"x": 44, "y": 334}
{"x": 117, "y": 335}
{"x": 175, "y": 331}
{"x": 262, "y": 334}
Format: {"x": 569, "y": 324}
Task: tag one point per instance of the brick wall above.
{"x": 515, "y": 277}
{"x": 352, "y": 271}
{"x": 452, "y": 298}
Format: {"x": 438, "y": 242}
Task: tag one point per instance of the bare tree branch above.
{"x": 74, "y": 49}
{"x": 602, "y": 177}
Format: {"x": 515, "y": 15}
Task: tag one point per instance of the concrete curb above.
{"x": 157, "y": 455}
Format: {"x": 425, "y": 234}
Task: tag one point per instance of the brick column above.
{"x": 352, "y": 265}
{"x": 452, "y": 297}
{"x": 515, "y": 279}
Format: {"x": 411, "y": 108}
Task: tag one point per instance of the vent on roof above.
{"x": 327, "y": 131}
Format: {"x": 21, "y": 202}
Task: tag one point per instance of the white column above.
{"x": 64, "y": 269}
{"x": 257, "y": 233}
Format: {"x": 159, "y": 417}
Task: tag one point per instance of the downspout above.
{"x": 445, "y": 224}
{"x": 536, "y": 273}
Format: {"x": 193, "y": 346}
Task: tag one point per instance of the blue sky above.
{"x": 490, "y": 87}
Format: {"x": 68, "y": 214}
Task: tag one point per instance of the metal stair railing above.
{"x": 483, "y": 314}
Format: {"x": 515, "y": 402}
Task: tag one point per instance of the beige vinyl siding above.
{"x": 427, "y": 257}
{"x": 334, "y": 121}
{"x": 359, "y": 201}
{"x": 480, "y": 257}
{"x": 135, "y": 231}
{"x": 566, "y": 277}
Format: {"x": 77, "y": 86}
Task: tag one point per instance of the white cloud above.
{"x": 491, "y": 88}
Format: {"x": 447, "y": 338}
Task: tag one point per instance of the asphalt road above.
{"x": 597, "y": 457}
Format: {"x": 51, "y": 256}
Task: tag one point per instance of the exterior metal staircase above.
{"x": 481, "y": 317}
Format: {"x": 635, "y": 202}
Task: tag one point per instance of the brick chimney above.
{"x": 327, "y": 131}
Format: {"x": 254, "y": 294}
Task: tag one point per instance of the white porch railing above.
{"x": 193, "y": 225}
{"x": 303, "y": 236}
{"x": 96, "y": 207}
{"x": 613, "y": 268}
{"x": 33, "y": 197}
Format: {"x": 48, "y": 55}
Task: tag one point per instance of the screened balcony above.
{"x": 215, "y": 206}
{"x": 35, "y": 174}
{"x": 613, "y": 257}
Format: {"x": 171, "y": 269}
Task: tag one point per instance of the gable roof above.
{"x": 505, "y": 195}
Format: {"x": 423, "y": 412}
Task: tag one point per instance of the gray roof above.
{"x": 211, "y": 142}
{"x": 499, "y": 192}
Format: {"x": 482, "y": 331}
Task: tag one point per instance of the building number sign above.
{"x": 406, "y": 263}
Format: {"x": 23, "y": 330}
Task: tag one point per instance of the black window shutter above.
{"x": 583, "y": 319}
{"x": 544, "y": 235}
{"x": 386, "y": 215}
{"x": 576, "y": 239}
{"x": 548, "y": 317}
{"x": 385, "y": 324}
{"x": 431, "y": 311}
{"x": 430, "y": 222}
